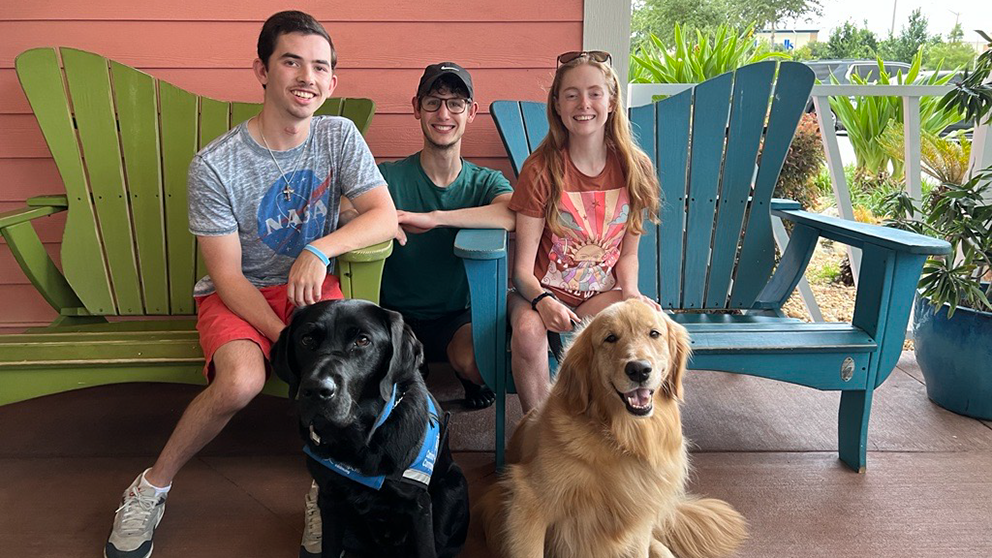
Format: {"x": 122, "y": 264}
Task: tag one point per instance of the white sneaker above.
{"x": 134, "y": 524}
{"x": 310, "y": 546}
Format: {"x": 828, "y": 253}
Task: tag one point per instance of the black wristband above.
{"x": 533, "y": 303}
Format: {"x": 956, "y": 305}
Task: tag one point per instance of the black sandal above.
{"x": 477, "y": 396}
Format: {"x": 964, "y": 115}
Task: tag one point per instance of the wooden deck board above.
{"x": 927, "y": 491}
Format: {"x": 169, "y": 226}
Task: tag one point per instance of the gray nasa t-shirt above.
{"x": 234, "y": 186}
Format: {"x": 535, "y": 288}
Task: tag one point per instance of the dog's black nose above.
{"x": 638, "y": 370}
{"x": 322, "y": 388}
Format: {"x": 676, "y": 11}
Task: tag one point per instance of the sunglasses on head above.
{"x": 600, "y": 56}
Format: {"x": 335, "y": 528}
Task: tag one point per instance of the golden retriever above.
{"x": 600, "y": 469}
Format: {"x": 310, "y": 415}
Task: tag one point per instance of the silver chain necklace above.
{"x": 288, "y": 190}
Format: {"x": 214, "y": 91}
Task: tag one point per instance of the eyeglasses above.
{"x": 456, "y": 105}
{"x": 600, "y": 56}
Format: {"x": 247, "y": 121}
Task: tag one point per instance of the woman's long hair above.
{"x": 642, "y": 182}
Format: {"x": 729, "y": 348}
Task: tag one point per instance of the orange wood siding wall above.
{"x": 509, "y": 46}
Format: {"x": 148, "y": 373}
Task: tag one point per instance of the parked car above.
{"x": 867, "y": 70}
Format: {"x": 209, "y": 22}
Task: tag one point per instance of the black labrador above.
{"x": 372, "y": 432}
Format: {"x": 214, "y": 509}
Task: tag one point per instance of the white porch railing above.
{"x": 981, "y": 154}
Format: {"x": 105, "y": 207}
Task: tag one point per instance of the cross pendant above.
{"x": 287, "y": 191}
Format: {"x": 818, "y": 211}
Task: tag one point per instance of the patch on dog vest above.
{"x": 422, "y": 468}
{"x": 419, "y": 472}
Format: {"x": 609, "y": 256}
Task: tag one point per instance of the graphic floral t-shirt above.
{"x": 594, "y": 212}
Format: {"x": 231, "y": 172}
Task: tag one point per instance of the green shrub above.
{"x": 824, "y": 187}
{"x": 871, "y": 192}
{"x": 950, "y": 55}
{"x": 829, "y": 273}
{"x": 868, "y": 192}
{"x": 803, "y": 162}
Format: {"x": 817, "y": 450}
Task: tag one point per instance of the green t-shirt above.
{"x": 424, "y": 279}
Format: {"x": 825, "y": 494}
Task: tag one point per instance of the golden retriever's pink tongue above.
{"x": 639, "y": 397}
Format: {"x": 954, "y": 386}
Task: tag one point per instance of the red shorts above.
{"x": 218, "y": 325}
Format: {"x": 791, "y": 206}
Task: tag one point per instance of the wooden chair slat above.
{"x": 243, "y": 111}
{"x": 510, "y": 124}
{"x": 331, "y": 107}
{"x": 672, "y": 127}
{"x": 121, "y": 328}
{"x": 179, "y": 142}
{"x": 215, "y": 119}
{"x": 137, "y": 110}
{"x": 82, "y": 255}
{"x": 88, "y": 76}
{"x": 642, "y": 122}
{"x": 535, "y": 123}
{"x": 103, "y": 353}
{"x": 757, "y": 253}
{"x": 752, "y": 86}
{"x": 709, "y": 125}
{"x": 739, "y": 339}
{"x": 359, "y": 111}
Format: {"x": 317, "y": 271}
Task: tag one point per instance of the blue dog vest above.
{"x": 419, "y": 472}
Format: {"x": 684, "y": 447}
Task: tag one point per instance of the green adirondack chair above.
{"x": 123, "y": 141}
{"x": 718, "y": 149}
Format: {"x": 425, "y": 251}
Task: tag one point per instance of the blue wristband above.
{"x": 316, "y": 252}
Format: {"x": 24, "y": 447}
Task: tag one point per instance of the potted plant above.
{"x": 952, "y": 324}
{"x": 952, "y": 316}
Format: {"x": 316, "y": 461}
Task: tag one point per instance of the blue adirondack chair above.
{"x": 718, "y": 149}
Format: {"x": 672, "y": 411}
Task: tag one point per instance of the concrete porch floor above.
{"x": 766, "y": 447}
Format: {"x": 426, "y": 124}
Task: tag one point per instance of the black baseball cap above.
{"x": 435, "y": 71}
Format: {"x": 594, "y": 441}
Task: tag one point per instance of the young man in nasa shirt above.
{"x": 263, "y": 204}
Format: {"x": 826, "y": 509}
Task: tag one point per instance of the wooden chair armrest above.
{"x": 48, "y": 201}
{"x": 783, "y": 204}
{"x": 858, "y": 234}
{"x": 360, "y": 271}
{"x": 26, "y": 214}
{"x": 372, "y": 253}
{"x": 480, "y": 244}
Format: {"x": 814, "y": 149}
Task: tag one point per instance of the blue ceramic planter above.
{"x": 956, "y": 357}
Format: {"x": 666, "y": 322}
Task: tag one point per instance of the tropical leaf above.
{"x": 694, "y": 56}
{"x": 867, "y": 118}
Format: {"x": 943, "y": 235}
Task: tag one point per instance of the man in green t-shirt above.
{"x": 436, "y": 193}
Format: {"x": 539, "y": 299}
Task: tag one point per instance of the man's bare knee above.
{"x": 239, "y": 374}
{"x": 235, "y": 394}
